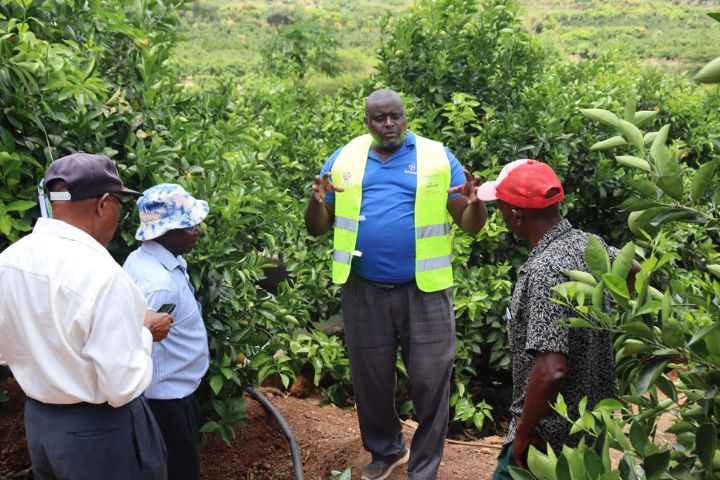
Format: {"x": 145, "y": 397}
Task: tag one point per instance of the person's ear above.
{"x": 518, "y": 216}
{"x": 101, "y": 205}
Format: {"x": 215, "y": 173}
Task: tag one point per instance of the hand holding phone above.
{"x": 159, "y": 322}
{"x": 166, "y": 308}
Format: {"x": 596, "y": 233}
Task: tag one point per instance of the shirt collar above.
{"x": 163, "y": 255}
{"x": 52, "y": 226}
{"x": 553, "y": 233}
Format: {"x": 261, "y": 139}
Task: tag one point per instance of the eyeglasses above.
{"x": 125, "y": 209}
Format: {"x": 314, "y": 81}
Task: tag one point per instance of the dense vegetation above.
{"x": 675, "y": 35}
{"x": 229, "y": 35}
{"x": 103, "y": 77}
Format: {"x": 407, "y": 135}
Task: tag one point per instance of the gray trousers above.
{"x": 91, "y": 442}
{"x": 377, "y": 321}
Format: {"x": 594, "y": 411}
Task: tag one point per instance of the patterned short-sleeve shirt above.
{"x": 534, "y": 327}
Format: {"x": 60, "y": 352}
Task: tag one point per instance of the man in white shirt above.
{"x": 77, "y": 335}
{"x": 170, "y": 221}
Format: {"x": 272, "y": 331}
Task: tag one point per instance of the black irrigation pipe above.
{"x": 275, "y": 413}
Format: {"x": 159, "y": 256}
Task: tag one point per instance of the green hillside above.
{"x": 229, "y": 35}
{"x": 674, "y": 34}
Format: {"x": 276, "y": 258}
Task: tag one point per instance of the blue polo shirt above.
{"x": 386, "y": 236}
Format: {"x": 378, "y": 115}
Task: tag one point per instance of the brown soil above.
{"x": 328, "y": 439}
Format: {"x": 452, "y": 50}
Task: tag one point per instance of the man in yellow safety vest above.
{"x": 389, "y": 195}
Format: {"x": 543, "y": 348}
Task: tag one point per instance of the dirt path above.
{"x": 329, "y": 439}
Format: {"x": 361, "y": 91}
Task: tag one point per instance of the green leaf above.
{"x": 667, "y": 305}
{"x": 20, "y": 205}
{"x": 5, "y": 225}
{"x": 631, "y": 133}
{"x": 672, "y": 333}
{"x": 638, "y": 437}
{"x": 702, "y": 179}
{"x": 669, "y": 215}
{"x": 710, "y": 73}
{"x": 630, "y": 106}
{"x": 580, "y": 276}
{"x": 519, "y": 474}
{"x": 649, "y": 374}
{"x": 562, "y": 469}
{"x": 633, "y": 204}
{"x": 715, "y": 16}
{"x": 653, "y": 306}
{"x": 645, "y": 187}
{"x": 607, "y": 404}
{"x": 656, "y": 465}
{"x": 671, "y": 185}
{"x": 643, "y": 116}
{"x": 638, "y": 329}
{"x": 706, "y": 441}
{"x": 598, "y": 295}
{"x": 702, "y": 333}
{"x": 624, "y": 260}
{"x": 602, "y": 116}
{"x": 216, "y": 383}
{"x": 617, "y": 285}
{"x": 681, "y": 427}
{"x": 611, "y": 142}
{"x": 633, "y": 162}
{"x": 596, "y": 257}
{"x": 649, "y": 137}
{"x": 540, "y": 465}
{"x": 713, "y": 268}
{"x": 658, "y": 148}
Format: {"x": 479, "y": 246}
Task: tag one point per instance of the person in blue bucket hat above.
{"x": 170, "y": 221}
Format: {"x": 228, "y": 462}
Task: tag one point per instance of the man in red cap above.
{"x": 548, "y": 358}
{"x": 77, "y": 334}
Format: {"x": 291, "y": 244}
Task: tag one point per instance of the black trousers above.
{"x": 90, "y": 442}
{"x": 377, "y": 321}
{"x": 180, "y": 422}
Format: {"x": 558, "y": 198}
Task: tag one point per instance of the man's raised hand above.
{"x": 322, "y": 186}
{"x": 469, "y": 188}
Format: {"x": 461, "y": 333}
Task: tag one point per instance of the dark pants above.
{"x": 89, "y": 442}
{"x": 377, "y": 321}
{"x": 504, "y": 461}
{"x": 179, "y": 421}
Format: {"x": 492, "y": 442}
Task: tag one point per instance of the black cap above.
{"x": 87, "y": 176}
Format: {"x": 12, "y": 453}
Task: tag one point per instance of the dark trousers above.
{"x": 377, "y": 321}
{"x": 90, "y": 442}
{"x": 179, "y": 421}
{"x": 504, "y": 462}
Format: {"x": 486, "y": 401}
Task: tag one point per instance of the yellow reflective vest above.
{"x": 433, "y": 268}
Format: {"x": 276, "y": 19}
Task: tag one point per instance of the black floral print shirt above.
{"x": 534, "y": 327}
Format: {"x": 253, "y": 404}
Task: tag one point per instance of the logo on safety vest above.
{"x": 346, "y": 178}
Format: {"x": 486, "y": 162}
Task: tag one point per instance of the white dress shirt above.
{"x": 71, "y": 319}
{"x": 182, "y": 358}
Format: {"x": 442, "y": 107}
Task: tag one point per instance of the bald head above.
{"x": 383, "y": 96}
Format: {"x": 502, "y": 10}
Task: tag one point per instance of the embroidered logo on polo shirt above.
{"x": 411, "y": 169}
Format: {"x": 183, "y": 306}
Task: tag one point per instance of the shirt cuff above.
{"x": 147, "y": 340}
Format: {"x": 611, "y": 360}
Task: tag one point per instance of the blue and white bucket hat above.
{"x": 166, "y": 207}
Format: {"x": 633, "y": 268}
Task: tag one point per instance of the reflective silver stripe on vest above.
{"x": 437, "y": 230}
{"x": 346, "y": 223}
{"x": 433, "y": 263}
{"x": 342, "y": 257}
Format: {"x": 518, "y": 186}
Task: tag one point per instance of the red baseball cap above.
{"x": 523, "y": 184}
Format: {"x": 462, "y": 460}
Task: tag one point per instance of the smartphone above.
{"x": 166, "y": 308}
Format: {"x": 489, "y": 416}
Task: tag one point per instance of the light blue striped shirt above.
{"x": 182, "y": 358}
